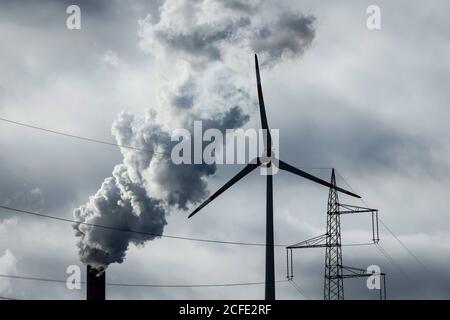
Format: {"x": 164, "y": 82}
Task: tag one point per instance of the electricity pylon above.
{"x": 335, "y": 271}
{"x": 334, "y": 283}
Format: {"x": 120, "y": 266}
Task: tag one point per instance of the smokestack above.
{"x": 95, "y": 287}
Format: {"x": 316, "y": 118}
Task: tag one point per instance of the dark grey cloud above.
{"x": 239, "y": 5}
{"x": 202, "y": 40}
{"x": 284, "y": 34}
{"x": 366, "y": 143}
{"x": 289, "y": 36}
{"x": 331, "y": 133}
{"x": 232, "y": 119}
{"x": 184, "y": 97}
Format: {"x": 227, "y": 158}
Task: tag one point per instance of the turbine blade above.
{"x": 262, "y": 108}
{"x": 249, "y": 168}
{"x": 287, "y": 167}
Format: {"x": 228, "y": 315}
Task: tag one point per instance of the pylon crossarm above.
{"x": 358, "y": 272}
{"x": 346, "y": 276}
{"x": 349, "y": 209}
{"x": 316, "y": 242}
{"x": 362, "y": 273}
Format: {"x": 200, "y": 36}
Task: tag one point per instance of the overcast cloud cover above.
{"x": 373, "y": 104}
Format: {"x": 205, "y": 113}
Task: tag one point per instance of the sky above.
{"x": 370, "y": 103}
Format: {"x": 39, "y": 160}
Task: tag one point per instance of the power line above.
{"x": 391, "y": 260}
{"x": 299, "y": 289}
{"x": 423, "y": 265}
{"x": 384, "y": 252}
{"x": 93, "y": 140}
{"x": 130, "y": 230}
{"x": 404, "y": 246}
{"x": 409, "y": 251}
{"x": 134, "y": 231}
{"x": 41, "y": 215}
{"x": 81, "y": 137}
{"x": 203, "y": 285}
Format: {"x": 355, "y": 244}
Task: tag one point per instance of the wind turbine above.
{"x": 266, "y": 160}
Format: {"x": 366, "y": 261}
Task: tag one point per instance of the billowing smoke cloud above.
{"x": 192, "y": 36}
{"x": 202, "y": 31}
{"x": 289, "y": 36}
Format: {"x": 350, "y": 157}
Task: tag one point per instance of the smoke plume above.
{"x": 200, "y": 44}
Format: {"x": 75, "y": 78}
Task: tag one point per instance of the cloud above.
{"x": 366, "y": 143}
{"x": 185, "y": 29}
{"x": 7, "y": 266}
{"x": 111, "y": 58}
{"x": 239, "y": 5}
{"x": 31, "y": 198}
{"x": 17, "y": 192}
{"x": 289, "y": 36}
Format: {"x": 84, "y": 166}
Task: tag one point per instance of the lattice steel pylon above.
{"x": 335, "y": 271}
{"x": 334, "y": 282}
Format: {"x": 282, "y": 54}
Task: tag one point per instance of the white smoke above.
{"x": 189, "y": 38}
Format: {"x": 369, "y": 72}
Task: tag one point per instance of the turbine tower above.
{"x": 267, "y": 160}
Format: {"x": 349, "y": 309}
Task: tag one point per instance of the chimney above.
{"x": 95, "y": 287}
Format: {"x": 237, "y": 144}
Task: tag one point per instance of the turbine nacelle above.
{"x": 266, "y": 159}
